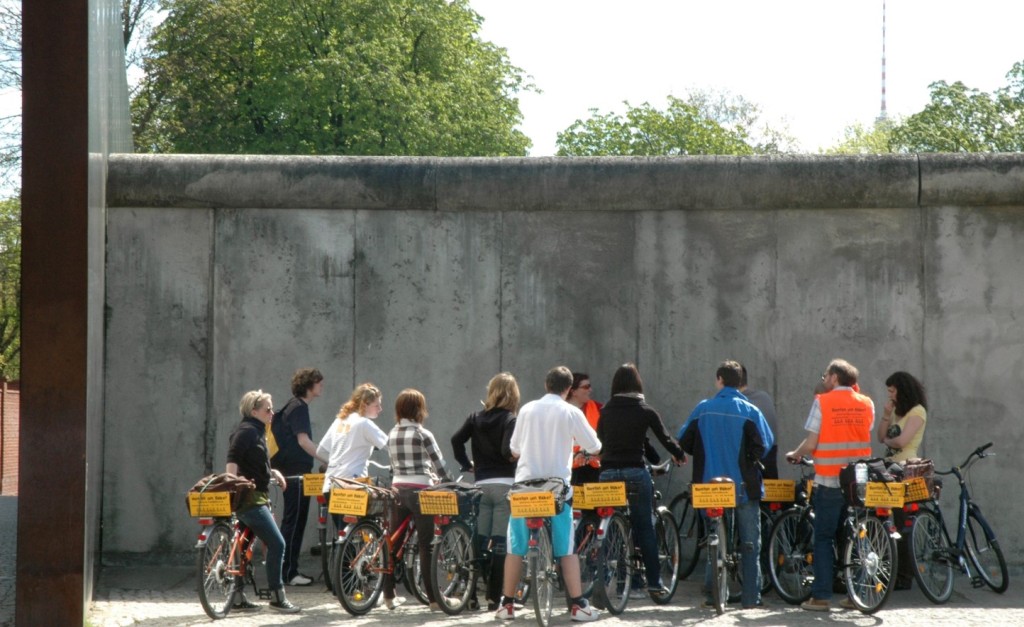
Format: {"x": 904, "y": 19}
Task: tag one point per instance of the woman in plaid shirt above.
{"x": 417, "y": 463}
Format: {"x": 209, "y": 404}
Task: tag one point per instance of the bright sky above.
{"x": 814, "y": 63}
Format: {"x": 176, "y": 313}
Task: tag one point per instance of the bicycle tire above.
{"x": 870, "y": 565}
{"x": 985, "y": 553}
{"x": 362, "y": 561}
{"x": 717, "y": 563}
{"x": 215, "y": 586}
{"x": 542, "y": 566}
{"x": 733, "y": 556}
{"x": 930, "y": 557}
{"x": 588, "y": 551}
{"x": 412, "y": 571}
{"x": 325, "y": 557}
{"x": 616, "y": 571}
{"x": 691, "y": 533}
{"x": 767, "y": 520}
{"x": 791, "y": 551}
{"x": 454, "y": 568}
{"x": 667, "y": 534}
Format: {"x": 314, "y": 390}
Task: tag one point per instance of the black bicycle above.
{"x": 976, "y": 552}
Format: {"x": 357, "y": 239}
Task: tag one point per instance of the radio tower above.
{"x": 882, "y": 115}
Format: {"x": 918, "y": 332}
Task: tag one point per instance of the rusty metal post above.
{"x": 51, "y": 492}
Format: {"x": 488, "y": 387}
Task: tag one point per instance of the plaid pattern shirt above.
{"x": 415, "y": 456}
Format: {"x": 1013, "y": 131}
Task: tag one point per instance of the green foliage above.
{"x": 859, "y": 139}
{"x": 10, "y": 288}
{"x": 703, "y": 124}
{"x": 346, "y": 77}
{"x": 963, "y": 119}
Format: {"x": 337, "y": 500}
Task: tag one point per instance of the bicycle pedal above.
{"x": 265, "y": 595}
{"x": 976, "y": 582}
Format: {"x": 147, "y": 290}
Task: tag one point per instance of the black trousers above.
{"x": 293, "y": 527}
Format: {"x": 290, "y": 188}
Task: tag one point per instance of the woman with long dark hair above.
{"x": 905, "y": 416}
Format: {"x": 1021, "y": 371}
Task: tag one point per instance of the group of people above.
{"x": 568, "y": 435}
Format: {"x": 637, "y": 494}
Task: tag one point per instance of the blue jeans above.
{"x": 641, "y": 516}
{"x": 828, "y": 504}
{"x": 748, "y": 525}
{"x": 261, "y": 521}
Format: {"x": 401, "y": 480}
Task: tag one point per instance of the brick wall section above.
{"x": 10, "y": 411}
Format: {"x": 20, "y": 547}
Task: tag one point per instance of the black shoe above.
{"x": 243, "y": 604}
{"x": 282, "y": 604}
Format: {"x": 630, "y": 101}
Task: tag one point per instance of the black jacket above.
{"x": 623, "y": 428}
{"x": 491, "y": 435}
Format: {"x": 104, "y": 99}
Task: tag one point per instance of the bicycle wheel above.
{"x": 216, "y": 586}
{"x": 667, "y": 533}
{"x": 790, "y": 553}
{"x": 930, "y": 557}
{"x": 616, "y": 571}
{"x": 542, "y": 567}
{"x": 454, "y": 568}
{"x": 733, "y": 556}
{"x": 985, "y": 554}
{"x": 588, "y": 551}
{"x": 870, "y": 565}
{"x": 325, "y": 553}
{"x": 719, "y": 570}
{"x": 362, "y": 561}
{"x": 691, "y": 533}
{"x": 766, "y": 529}
{"x": 412, "y": 572}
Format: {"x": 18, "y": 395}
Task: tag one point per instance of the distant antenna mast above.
{"x": 882, "y": 115}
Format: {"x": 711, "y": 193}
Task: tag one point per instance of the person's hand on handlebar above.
{"x": 679, "y": 461}
{"x": 277, "y": 477}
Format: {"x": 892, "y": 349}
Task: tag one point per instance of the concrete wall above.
{"x": 226, "y": 273}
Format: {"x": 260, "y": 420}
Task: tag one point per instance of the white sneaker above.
{"x": 585, "y": 614}
{"x": 300, "y": 580}
{"x": 393, "y": 603}
{"x": 505, "y": 612}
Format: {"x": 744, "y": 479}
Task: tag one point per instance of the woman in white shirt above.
{"x": 353, "y": 436}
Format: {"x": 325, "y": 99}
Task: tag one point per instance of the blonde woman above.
{"x": 490, "y": 435}
{"x": 247, "y": 457}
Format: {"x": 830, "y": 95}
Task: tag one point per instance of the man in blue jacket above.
{"x": 728, "y": 437}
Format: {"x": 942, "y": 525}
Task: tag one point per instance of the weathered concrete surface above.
{"x": 227, "y": 273}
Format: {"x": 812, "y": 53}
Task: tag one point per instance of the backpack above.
{"x": 879, "y": 470}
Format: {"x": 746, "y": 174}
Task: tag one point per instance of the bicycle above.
{"x": 328, "y": 541}
{"x": 619, "y": 562}
{"x": 224, "y": 553}
{"x": 455, "y": 561}
{"x": 368, "y": 549}
{"x": 791, "y": 544}
{"x": 976, "y": 546}
{"x": 693, "y": 533}
{"x": 536, "y": 501}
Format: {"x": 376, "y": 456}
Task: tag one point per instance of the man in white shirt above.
{"x": 543, "y": 440}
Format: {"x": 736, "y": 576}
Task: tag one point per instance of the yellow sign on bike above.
{"x": 348, "y": 501}
{"x": 579, "y": 498}
{"x": 209, "y": 504}
{"x": 312, "y": 484}
{"x": 779, "y": 490}
{"x": 916, "y": 490}
{"x": 538, "y": 504}
{"x": 608, "y": 494}
{"x": 439, "y": 503}
{"x": 713, "y": 495}
{"x": 879, "y": 494}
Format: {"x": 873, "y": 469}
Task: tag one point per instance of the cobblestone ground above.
{"x": 166, "y": 596}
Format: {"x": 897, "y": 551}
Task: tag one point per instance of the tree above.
{"x": 859, "y": 139}
{"x": 352, "y": 77}
{"x": 10, "y": 289}
{"x": 704, "y": 124}
{"x": 963, "y": 119}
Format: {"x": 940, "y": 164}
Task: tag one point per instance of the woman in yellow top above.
{"x": 901, "y": 430}
{"x": 906, "y": 414}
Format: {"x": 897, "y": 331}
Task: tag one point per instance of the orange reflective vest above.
{"x": 845, "y": 435}
{"x": 592, "y": 410}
